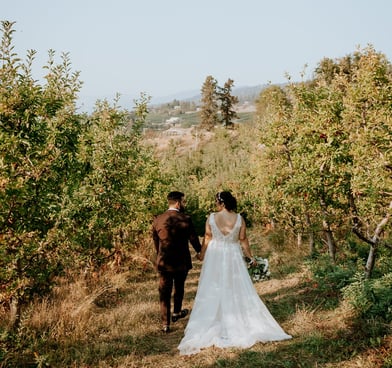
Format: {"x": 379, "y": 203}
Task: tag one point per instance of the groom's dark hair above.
{"x": 175, "y": 196}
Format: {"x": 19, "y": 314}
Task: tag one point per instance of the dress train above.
{"x": 227, "y": 310}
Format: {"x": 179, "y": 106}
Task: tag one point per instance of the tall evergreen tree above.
{"x": 209, "y": 104}
{"x": 227, "y": 101}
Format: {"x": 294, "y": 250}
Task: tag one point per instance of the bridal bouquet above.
{"x": 260, "y": 270}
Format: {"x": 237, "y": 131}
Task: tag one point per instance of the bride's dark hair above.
{"x": 227, "y": 199}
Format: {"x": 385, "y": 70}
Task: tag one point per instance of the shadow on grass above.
{"x": 284, "y": 302}
{"x": 108, "y": 350}
{"x": 316, "y": 349}
{"x": 143, "y": 276}
{"x": 91, "y": 353}
{"x": 308, "y": 352}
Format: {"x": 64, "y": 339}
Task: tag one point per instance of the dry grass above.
{"x": 113, "y": 321}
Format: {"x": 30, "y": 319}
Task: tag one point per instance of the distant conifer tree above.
{"x": 209, "y": 104}
{"x": 227, "y": 102}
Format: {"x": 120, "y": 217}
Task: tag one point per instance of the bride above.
{"x": 227, "y": 310}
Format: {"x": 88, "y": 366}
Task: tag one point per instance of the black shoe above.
{"x": 182, "y": 314}
{"x": 165, "y": 329}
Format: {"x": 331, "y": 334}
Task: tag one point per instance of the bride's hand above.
{"x": 252, "y": 261}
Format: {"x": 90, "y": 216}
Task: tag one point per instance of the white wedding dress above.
{"x": 227, "y": 310}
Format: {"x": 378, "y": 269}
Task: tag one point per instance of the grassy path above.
{"x": 113, "y": 321}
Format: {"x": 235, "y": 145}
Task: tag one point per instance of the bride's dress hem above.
{"x": 194, "y": 349}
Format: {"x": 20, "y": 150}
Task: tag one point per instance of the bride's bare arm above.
{"x": 244, "y": 240}
{"x": 206, "y": 240}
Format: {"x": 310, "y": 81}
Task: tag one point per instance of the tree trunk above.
{"x": 14, "y": 312}
{"x": 374, "y": 242}
{"x": 310, "y": 235}
{"x": 371, "y": 260}
{"x": 330, "y": 242}
{"x": 328, "y": 232}
{"x": 299, "y": 239}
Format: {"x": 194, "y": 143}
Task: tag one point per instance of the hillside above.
{"x": 244, "y": 93}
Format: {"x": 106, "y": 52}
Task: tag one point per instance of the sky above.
{"x": 166, "y": 48}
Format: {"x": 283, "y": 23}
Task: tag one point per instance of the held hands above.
{"x": 251, "y": 261}
{"x": 199, "y": 256}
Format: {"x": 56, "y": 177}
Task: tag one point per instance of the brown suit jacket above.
{"x": 171, "y": 232}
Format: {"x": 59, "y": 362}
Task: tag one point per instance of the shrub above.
{"x": 371, "y": 298}
{"x": 331, "y": 276}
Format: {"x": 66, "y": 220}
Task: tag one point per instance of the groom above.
{"x": 171, "y": 232}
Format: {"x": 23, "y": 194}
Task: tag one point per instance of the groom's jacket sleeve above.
{"x": 155, "y": 236}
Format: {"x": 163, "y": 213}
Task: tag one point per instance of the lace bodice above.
{"x": 231, "y": 237}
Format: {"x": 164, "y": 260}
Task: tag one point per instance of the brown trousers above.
{"x": 166, "y": 282}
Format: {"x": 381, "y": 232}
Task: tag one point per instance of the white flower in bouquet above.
{"x": 259, "y": 270}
